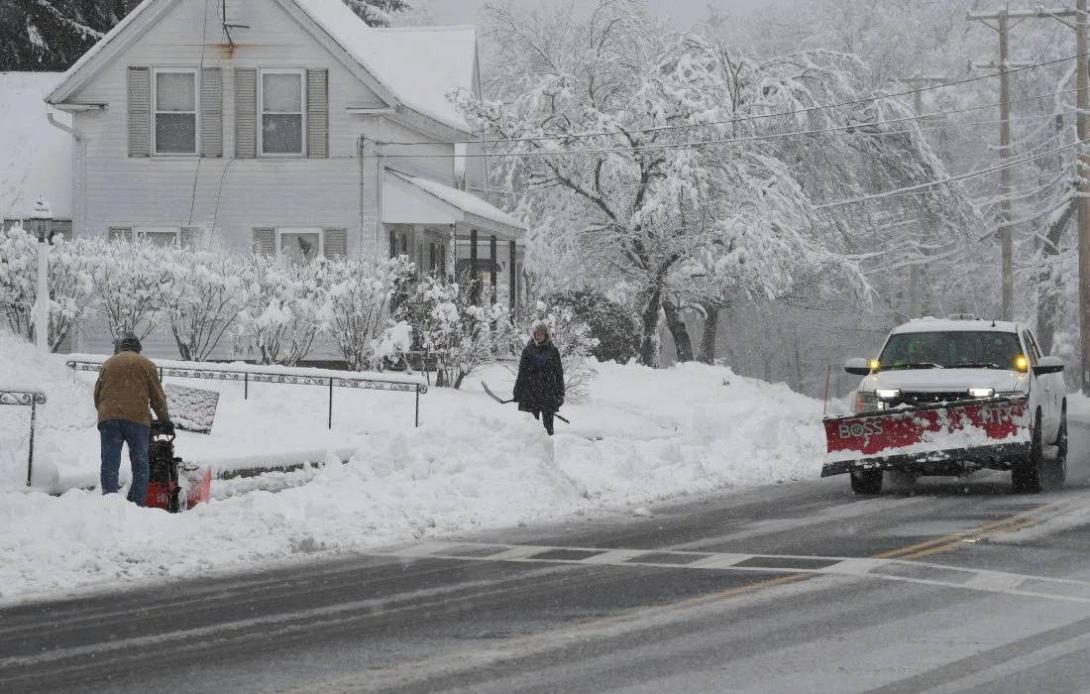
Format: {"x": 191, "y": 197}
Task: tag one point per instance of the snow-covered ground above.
{"x": 643, "y": 436}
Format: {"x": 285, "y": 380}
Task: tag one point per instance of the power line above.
{"x": 737, "y": 140}
{"x": 948, "y": 180}
{"x": 761, "y": 116}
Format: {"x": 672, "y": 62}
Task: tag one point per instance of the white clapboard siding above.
{"x": 139, "y": 111}
{"x": 212, "y": 112}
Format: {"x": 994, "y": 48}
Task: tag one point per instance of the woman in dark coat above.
{"x": 539, "y": 388}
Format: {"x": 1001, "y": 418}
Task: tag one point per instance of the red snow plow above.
{"x": 942, "y": 439}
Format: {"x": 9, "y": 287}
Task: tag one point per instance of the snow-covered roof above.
{"x": 420, "y": 65}
{"x": 464, "y": 205}
{"x": 36, "y": 157}
{"x": 934, "y": 325}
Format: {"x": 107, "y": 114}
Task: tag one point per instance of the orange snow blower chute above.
{"x": 992, "y": 433}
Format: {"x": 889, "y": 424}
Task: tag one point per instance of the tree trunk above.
{"x": 649, "y": 318}
{"x": 1047, "y": 286}
{"x": 680, "y": 332}
{"x": 711, "y": 332}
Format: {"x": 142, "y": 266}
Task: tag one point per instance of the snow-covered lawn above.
{"x": 643, "y": 436}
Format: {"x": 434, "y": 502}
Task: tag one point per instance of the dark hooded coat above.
{"x": 540, "y": 383}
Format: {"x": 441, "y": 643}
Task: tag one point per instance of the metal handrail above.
{"x": 31, "y": 399}
{"x": 249, "y": 375}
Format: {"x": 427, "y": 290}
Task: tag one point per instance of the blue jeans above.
{"x": 113, "y": 434}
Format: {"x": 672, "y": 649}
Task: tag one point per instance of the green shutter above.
{"x": 212, "y": 112}
{"x": 265, "y": 241}
{"x": 139, "y": 112}
{"x": 245, "y": 113}
{"x": 318, "y": 114}
{"x": 336, "y": 243}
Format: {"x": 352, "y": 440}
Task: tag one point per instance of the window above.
{"x": 163, "y": 237}
{"x": 175, "y": 112}
{"x": 282, "y": 108}
{"x": 951, "y": 350}
{"x": 300, "y": 245}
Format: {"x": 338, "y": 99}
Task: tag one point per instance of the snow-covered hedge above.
{"x": 266, "y": 309}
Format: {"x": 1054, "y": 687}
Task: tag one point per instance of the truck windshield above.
{"x": 951, "y": 350}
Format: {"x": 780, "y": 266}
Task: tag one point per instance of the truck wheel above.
{"x": 1041, "y": 474}
{"x": 900, "y": 481}
{"x": 867, "y": 482}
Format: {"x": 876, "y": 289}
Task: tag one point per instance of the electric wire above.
{"x": 760, "y": 116}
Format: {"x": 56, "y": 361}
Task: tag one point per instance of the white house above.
{"x": 282, "y": 126}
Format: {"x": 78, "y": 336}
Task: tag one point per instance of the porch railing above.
{"x": 31, "y": 399}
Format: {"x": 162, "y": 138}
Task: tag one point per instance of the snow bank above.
{"x": 65, "y": 423}
{"x": 643, "y": 436}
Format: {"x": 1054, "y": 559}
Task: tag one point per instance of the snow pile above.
{"x": 66, "y": 440}
{"x": 643, "y": 436}
{"x": 1078, "y": 408}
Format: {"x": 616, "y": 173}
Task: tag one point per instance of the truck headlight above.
{"x": 866, "y": 402}
{"x": 981, "y": 392}
{"x": 887, "y": 393}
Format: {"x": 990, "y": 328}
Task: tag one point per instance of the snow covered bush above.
{"x": 572, "y": 338}
{"x": 279, "y": 320}
{"x": 128, "y": 283}
{"x": 358, "y": 310}
{"x": 451, "y": 332}
{"x": 615, "y": 327}
{"x": 70, "y": 284}
{"x": 203, "y": 292}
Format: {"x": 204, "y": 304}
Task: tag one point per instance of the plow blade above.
{"x": 938, "y": 439}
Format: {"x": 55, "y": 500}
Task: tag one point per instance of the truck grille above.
{"x": 917, "y": 399}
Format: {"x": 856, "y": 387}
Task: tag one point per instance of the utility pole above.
{"x": 1083, "y": 85}
{"x": 1006, "y": 232}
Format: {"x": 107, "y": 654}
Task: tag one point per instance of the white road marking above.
{"x": 897, "y": 570}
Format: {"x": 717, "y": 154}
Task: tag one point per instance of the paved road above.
{"x": 796, "y": 588}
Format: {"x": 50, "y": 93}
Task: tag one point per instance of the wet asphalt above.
{"x": 640, "y": 607}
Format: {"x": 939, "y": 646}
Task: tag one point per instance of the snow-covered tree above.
{"x": 279, "y": 320}
{"x": 50, "y": 35}
{"x": 128, "y": 282}
{"x": 377, "y": 12}
{"x": 453, "y": 333}
{"x": 357, "y": 312}
{"x": 203, "y": 292}
{"x": 656, "y": 150}
{"x": 70, "y": 285}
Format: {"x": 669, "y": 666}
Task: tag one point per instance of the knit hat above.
{"x": 131, "y": 343}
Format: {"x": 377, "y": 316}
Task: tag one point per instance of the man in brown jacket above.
{"x": 127, "y": 386}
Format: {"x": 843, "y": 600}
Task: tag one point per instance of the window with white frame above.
{"x": 300, "y": 244}
{"x": 282, "y": 109}
{"x": 175, "y": 111}
{"x": 163, "y": 237}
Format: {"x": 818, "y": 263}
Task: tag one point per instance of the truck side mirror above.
{"x": 857, "y": 367}
{"x": 1048, "y": 365}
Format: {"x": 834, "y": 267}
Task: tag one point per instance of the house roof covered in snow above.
{"x": 417, "y": 67}
{"x": 35, "y": 157}
{"x": 411, "y": 199}
{"x": 420, "y": 65}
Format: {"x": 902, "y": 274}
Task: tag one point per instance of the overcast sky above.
{"x": 683, "y": 12}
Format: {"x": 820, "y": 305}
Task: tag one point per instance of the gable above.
{"x": 191, "y": 32}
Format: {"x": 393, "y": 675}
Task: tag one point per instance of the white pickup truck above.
{"x": 951, "y": 396}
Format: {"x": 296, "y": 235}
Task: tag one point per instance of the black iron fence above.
{"x": 31, "y": 399}
{"x": 248, "y": 374}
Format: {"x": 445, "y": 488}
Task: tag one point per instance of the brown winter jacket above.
{"x": 127, "y": 385}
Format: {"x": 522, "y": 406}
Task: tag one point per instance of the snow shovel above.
{"x": 506, "y": 402}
